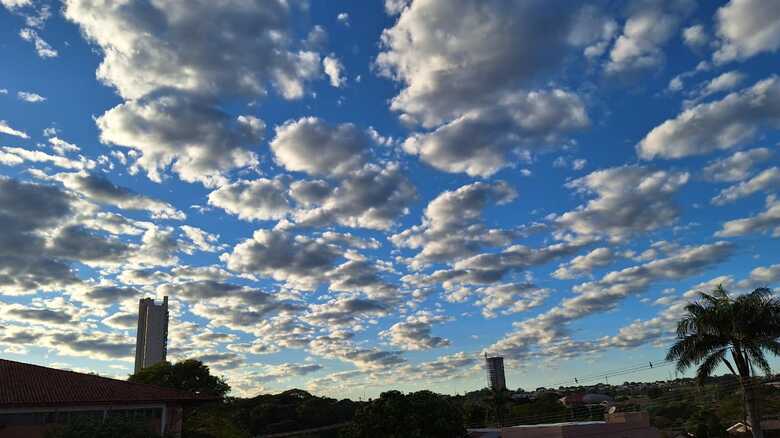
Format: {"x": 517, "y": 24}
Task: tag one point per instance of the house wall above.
{"x": 35, "y": 422}
{"x": 620, "y": 425}
{"x": 604, "y": 430}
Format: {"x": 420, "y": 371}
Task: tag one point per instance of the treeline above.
{"x": 683, "y": 405}
{"x": 268, "y": 414}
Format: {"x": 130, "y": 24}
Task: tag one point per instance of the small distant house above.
{"x": 34, "y": 399}
{"x": 586, "y": 399}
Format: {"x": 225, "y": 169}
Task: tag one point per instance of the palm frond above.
{"x": 710, "y": 363}
{"x": 758, "y": 359}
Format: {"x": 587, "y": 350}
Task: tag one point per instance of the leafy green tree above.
{"x": 188, "y": 375}
{"x": 212, "y": 421}
{"x": 735, "y": 332}
{"x": 545, "y": 409}
{"x": 498, "y": 400}
{"x": 705, "y": 424}
{"x": 421, "y": 414}
{"x": 290, "y": 411}
{"x": 474, "y": 414}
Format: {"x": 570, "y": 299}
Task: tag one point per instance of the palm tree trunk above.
{"x": 751, "y": 407}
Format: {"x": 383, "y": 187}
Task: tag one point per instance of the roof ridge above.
{"x": 147, "y": 385}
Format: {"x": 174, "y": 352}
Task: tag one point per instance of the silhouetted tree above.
{"x": 187, "y": 375}
{"x": 421, "y": 414}
{"x": 734, "y": 332}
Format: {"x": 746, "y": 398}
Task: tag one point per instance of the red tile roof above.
{"x": 27, "y": 385}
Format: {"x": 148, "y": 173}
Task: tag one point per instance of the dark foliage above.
{"x": 421, "y": 414}
{"x": 736, "y": 332}
{"x": 291, "y": 410}
{"x": 188, "y": 375}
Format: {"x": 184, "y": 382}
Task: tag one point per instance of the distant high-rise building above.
{"x": 151, "y": 344}
{"x": 495, "y": 372}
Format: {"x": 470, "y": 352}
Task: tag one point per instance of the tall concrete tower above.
{"x": 151, "y": 343}
{"x": 495, "y": 372}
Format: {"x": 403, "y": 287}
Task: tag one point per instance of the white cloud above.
{"x": 343, "y": 18}
{"x": 491, "y": 267}
{"x": 199, "y": 142}
{"x": 334, "y": 69}
{"x": 311, "y": 145}
{"x": 722, "y": 124}
{"x": 13, "y": 4}
{"x": 623, "y": 196}
{"x": 99, "y": 189}
{"x": 769, "y": 179}
{"x": 762, "y": 276}
{"x": 6, "y": 129}
{"x": 414, "y": 333}
{"x": 44, "y": 49}
{"x": 260, "y": 199}
{"x": 299, "y": 261}
{"x": 737, "y": 166}
{"x": 480, "y": 141}
{"x": 584, "y": 264}
{"x": 345, "y": 313}
{"x": 30, "y": 97}
{"x": 371, "y": 197}
{"x": 61, "y": 147}
{"x": 392, "y": 7}
{"x": 43, "y": 235}
{"x": 452, "y": 59}
{"x": 173, "y": 83}
{"x": 551, "y": 328}
{"x": 13, "y": 156}
{"x": 148, "y": 47}
{"x": 649, "y": 26}
{"x": 747, "y": 28}
{"x": 466, "y": 69}
{"x": 510, "y": 298}
{"x": 695, "y": 36}
{"x": 675, "y": 84}
{"x": 372, "y": 358}
{"x": 121, "y": 321}
{"x": 451, "y": 226}
{"x": 767, "y": 220}
{"x": 725, "y": 82}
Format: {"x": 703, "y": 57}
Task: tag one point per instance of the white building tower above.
{"x": 151, "y": 344}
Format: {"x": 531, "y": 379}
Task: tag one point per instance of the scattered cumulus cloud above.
{"x": 8, "y": 130}
{"x": 738, "y": 166}
{"x": 334, "y": 69}
{"x": 42, "y": 48}
{"x": 722, "y": 124}
{"x": 695, "y": 36}
{"x": 747, "y": 28}
{"x": 30, "y": 97}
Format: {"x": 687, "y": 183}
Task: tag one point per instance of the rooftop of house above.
{"x": 27, "y": 385}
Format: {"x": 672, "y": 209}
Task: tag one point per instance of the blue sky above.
{"x": 354, "y": 196}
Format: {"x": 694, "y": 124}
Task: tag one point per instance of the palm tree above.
{"x": 735, "y": 332}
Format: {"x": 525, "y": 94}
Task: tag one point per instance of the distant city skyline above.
{"x": 351, "y": 197}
